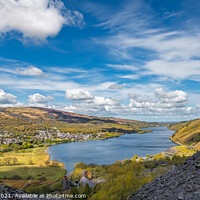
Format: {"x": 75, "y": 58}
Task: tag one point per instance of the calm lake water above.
{"x": 110, "y": 150}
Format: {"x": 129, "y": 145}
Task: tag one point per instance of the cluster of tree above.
{"x": 21, "y": 145}
{"x": 9, "y": 160}
{"x": 121, "y": 179}
{"x": 125, "y": 177}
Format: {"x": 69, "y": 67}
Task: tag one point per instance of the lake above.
{"x": 109, "y": 150}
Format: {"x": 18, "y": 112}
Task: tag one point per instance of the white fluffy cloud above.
{"x": 165, "y": 103}
{"x": 37, "y": 19}
{"x": 137, "y": 101}
{"x": 177, "y": 97}
{"x": 100, "y": 108}
{"x": 171, "y": 104}
{"x": 104, "y": 101}
{"x": 39, "y": 100}
{"x": 30, "y": 71}
{"x": 78, "y": 94}
{"x": 85, "y": 102}
{"x": 7, "y": 98}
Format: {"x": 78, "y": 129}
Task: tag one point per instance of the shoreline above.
{"x": 146, "y": 131}
{"x": 171, "y": 138}
{"x": 168, "y": 150}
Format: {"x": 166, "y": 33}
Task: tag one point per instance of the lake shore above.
{"x": 173, "y": 149}
{"x": 171, "y": 138}
{"x": 72, "y": 144}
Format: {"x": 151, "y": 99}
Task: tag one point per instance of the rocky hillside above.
{"x": 181, "y": 183}
{"x": 187, "y": 133}
{"x": 15, "y": 194}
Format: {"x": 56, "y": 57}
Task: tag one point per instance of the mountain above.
{"x": 30, "y": 121}
{"x": 35, "y": 114}
{"x": 187, "y": 133}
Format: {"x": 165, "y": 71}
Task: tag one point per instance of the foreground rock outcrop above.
{"x": 7, "y": 193}
{"x": 181, "y": 183}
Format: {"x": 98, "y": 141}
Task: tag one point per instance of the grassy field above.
{"x": 31, "y": 164}
{"x": 38, "y": 156}
{"x": 35, "y": 172}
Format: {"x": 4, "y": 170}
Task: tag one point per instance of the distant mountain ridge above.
{"x": 47, "y": 114}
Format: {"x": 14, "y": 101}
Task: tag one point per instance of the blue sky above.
{"x": 136, "y": 59}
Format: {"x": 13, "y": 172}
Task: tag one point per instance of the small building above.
{"x": 85, "y": 181}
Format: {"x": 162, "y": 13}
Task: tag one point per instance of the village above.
{"x": 47, "y": 135}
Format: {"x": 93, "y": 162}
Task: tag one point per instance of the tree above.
{"x": 23, "y": 150}
{"x": 135, "y": 157}
{"x": 30, "y": 162}
{"x": 54, "y": 163}
{"x": 140, "y": 159}
{"x": 87, "y": 190}
{"x": 47, "y": 162}
{"x": 15, "y": 160}
{"x": 80, "y": 165}
{"x": 7, "y": 160}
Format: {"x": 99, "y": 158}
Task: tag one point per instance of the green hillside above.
{"x": 187, "y": 133}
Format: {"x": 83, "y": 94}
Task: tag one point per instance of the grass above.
{"x": 15, "y": 183}
{"x": 37, "y": 155}
{"x": 50, "y": 173}
{"x": 37, "y": 170}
